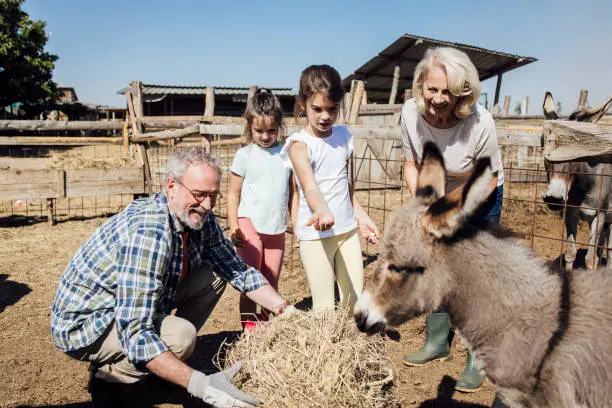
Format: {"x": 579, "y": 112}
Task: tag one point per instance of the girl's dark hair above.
{"x": 319, "y": 79}
{"x": 262, "y": 103}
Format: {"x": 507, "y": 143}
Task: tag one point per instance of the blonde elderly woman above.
{"x": 444, "y": 110}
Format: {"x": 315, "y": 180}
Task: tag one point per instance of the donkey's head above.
{"x": 560, "y": 178}
{"x": 411, "y": 277}
{"x": 561, "y": 175}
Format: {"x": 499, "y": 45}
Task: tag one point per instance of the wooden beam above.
{"x": 56, "y": 125}
{"x": 209, "y": 109}
{"x": 576, "y": 141}
{"x": 30, "y": 184}
{"x": 379, "y": 109}
{"x": 394, "y": 85}
{"x": 497, "y": 88}
{"x": 56, "y": 140}
{"x": 167, "y": 134}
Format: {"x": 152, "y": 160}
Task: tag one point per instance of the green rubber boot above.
{"x": 436, "y": 344}
{"x": 472, "y": 378}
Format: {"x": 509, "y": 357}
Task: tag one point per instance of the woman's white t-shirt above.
{"x": 328, "y": 157}
{"x": 265, "y": 189}
{"x": 461, "y": 145}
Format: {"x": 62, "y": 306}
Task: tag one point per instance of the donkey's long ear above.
{"x": 431, "y": 181}
{"x": 446, "y": 215}
{"x": 549, "y": 108}
{"x": 591, "y": 115}
{"x": 601, "y": 110}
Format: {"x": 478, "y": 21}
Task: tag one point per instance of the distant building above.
{"x": 65, "y": 94}
{"x": 168, "y": 100}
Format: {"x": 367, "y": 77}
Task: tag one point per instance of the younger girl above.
{"x": 259, "y": 193}
{"x": 328, "y": 215}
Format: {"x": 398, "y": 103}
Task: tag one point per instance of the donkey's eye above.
{"x": 406, "y": 269}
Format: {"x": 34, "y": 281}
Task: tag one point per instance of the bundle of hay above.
{"x": 314, "y": 360}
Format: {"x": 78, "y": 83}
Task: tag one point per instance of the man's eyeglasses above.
{"x": 200, "y": 196}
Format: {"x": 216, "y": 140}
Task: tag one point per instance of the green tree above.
{"x": 25, "y": 68}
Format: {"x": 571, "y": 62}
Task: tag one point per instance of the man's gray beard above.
{"x": 184, "y": 218}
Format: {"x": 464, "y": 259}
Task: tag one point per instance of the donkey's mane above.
{"x": 477, "y": 225}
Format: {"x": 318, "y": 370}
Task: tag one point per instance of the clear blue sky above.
{"x": 103, "y": 45}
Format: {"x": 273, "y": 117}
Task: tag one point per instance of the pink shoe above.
{"x": 250, "y": 326}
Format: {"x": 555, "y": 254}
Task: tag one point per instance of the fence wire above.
{"x": 377, "y": 175}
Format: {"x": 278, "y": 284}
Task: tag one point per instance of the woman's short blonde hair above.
{"x": 461, "y": 76}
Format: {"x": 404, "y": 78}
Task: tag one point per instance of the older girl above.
{"x": 328, "y": 215}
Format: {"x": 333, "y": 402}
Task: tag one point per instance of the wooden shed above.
{"x": 389, "y": 74}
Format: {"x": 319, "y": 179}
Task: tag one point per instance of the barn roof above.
{"x": 164, "y": 90}
{"x": 408, "y": 50}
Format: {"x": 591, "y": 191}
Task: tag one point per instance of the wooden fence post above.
{"x": 394, "y": 85}
{"x": 582, "y": 99}
{"x": 137, "y": 130}
{"x": 126, "y": 136}
{"x": 407, "y": 94}
{"x": 50, "y": 214}
{"x": 506, "y": 109}
{"x": 356, "y": 102}
{"x": 209, "y": 103}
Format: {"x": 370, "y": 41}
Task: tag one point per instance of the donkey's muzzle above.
{"x": 362, "y": 324}
{"x": 554, "y": 203}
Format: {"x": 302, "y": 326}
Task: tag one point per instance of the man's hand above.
{"x": 217, "y": 389}
{"x": 237, "y": 237}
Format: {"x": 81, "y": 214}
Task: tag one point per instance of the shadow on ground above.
{"x": 11, "y": 292}
{"x": 579, "y": 263}
{"x": 444, "y": 399}
{"x": 14, "y": 221}
{"x": 73, "y": 405}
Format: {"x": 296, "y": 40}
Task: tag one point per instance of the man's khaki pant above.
{"x": 196, "y": 297}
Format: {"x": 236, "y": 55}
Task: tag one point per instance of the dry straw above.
{"x": 314, "y": 360}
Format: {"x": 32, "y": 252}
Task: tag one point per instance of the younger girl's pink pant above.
{"x": 263, "y": 252}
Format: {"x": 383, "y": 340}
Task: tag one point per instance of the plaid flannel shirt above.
{"x": 128, "y": 271}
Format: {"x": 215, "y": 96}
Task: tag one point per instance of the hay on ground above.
{"x": 314, "y": 360}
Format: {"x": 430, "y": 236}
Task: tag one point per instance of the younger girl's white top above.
{"x": 265, "y": 188}
{"x": 328, "y": 157}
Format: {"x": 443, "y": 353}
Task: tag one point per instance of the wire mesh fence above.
{"x": 379, "y": 189}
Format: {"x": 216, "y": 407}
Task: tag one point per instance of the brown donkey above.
{"x": 545, "y": 339}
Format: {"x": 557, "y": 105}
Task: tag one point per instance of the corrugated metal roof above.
{"x": 408, "y": 50}
{"x": 159, "y": 90}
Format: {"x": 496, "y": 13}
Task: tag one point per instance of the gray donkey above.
{"x": 545, "y": 339}
{"x": 586, "y": 187}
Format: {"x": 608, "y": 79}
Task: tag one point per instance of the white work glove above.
{"x": 288, "y": 310}
{"x": 217, "y": 389}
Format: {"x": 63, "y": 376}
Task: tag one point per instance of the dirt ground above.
{"x": 35, "y": 374}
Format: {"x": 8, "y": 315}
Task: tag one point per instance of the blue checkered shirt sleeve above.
{"x": 140, "y": 265}
{"x": 225, "y": 261}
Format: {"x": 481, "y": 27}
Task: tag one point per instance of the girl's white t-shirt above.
{"x": 265, "y": 189}
{"x": 460, "y": 145}
{"x": 328, "y": 157}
